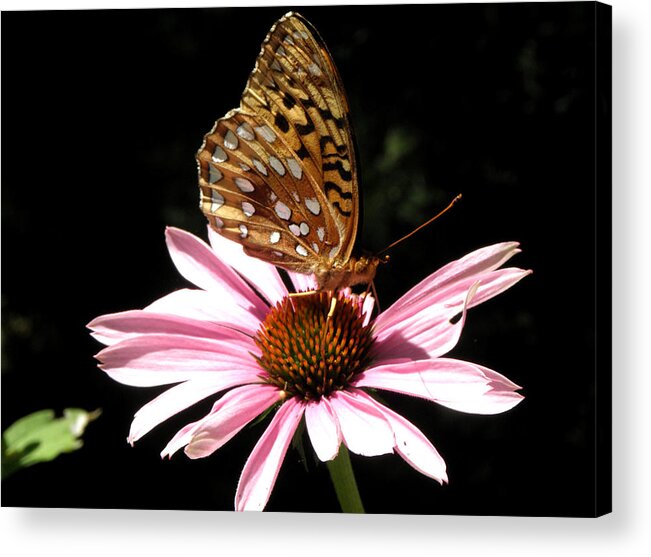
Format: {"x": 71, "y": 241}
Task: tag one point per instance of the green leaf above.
{"x": 41, "y": 437}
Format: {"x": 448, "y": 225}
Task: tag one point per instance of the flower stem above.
{"x": 343, "y": 478}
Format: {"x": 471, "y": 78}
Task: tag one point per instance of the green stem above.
{"x": 343, "y": 478}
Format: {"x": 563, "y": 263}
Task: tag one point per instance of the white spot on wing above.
{"x": 315, "y": 247}
{"x": 320, "y": 232}
{"x": 301, "y": 250}
{"x": 230, "y": 140}
{"x": 245, "y": 167}
{"x": 277, "y": 166}
{"x": 281, "y": 51}
{"x": 245, "y": 131}
{"x": 305, "y": 229}
{"x": 282, "y": 210}
{"x": 244, "y": 185}
{"x": 313, "y": 205}
{"x": 294, "y": 168}
{"x": 276, "y": 66}
{"x": 296, "y": 197}
{"x": 296, "y": 231}
{"x": 267, "y": 133}
{"x": 274, "y": 237}
{"x": 217, "y": 200}
{"x": 314, "y": 69}
{"x": 215, "y": 174}
{"x": 247, "y": 208}
{"x": 219, "y": 155}
{"x": 244, "y": 231}
{"x": 219, "y": 223}
{"x": 261, "y": 168}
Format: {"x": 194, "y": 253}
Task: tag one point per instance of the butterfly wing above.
{"x": 278, "y": 174}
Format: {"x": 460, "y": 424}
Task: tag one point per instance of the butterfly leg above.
{"x": 324, "y": 335}
{"x": 371, "y": 286}
{"x": 293, "y": 295}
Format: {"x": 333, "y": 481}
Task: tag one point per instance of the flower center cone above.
{"x": 313, "y": 344}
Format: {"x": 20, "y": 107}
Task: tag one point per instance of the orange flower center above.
{"x": 314, "y": 343}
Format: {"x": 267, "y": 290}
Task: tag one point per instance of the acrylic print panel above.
{"x": 503, "y": 103}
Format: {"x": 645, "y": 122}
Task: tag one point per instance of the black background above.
{"x": 102, "y": 114}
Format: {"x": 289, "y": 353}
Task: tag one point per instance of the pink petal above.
{"x": 180, "y": 440}
{"x": 427, "y": 329}
{"x": 424, "y": 335}
{"x": 323, "y": 429}
{"x": 149, "y": 360}
{"x": 470, "y": 267}
{"x": 173, "y": 401}
{"x": 490, "y": 284}
{"x": 206, "y": 306}
{"x": 261, "y": 469}
{"x": 363, "y": 427}
{"x": 367, "y": 308}
{"x": 500, "y": 398}
{"x": 425, "y": 323}
{"x": 184, "y": 435}
{"x": 452, "y": 383}
{"x": 477, "y": 262}
{"x": 228, "y": 416}
{"x": 303, "y": 283}
{"x": 197, "y": 262}
{"x": 497, "y": 380}
{"x": 263, "y": 276}
{"x": 414, "y": 447}
{"x": 435, "y": 379}
{"x": 496, "y": 283}
{"x": 114, "y": 327}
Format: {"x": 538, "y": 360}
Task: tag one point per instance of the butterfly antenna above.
{"x": 457, "y": 198}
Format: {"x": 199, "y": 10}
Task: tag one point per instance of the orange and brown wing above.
{"x": 278, "y": 174}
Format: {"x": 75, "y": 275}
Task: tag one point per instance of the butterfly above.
{"x": 278, "y": 174}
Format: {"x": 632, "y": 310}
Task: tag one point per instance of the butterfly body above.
{"x": 278, "y": 174}
{"x": 356, "y": 270}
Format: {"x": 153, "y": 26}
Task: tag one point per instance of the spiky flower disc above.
{"x": 314, "y": 344}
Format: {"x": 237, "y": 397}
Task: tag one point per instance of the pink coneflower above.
{"x": 241, "y": 333}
